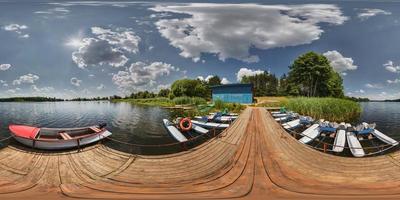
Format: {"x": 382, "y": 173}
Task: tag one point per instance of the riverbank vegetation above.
{"x": 332, "y": 109}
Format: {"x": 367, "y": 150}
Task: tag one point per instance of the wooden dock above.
{"x": 254, "y": 159}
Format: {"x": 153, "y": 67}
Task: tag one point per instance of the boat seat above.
{"x": 95, "y": 129}
{"x": 65, "y": 136}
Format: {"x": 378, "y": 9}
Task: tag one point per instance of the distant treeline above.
{"x": 358, "y": 99}
{"x": 394, "y": 100}
{"x": 29, "y": 99}
{"x": 49, "y": 99}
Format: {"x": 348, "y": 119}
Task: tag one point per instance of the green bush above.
{"x": 332, "y": 109}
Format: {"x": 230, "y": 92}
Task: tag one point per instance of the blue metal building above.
{"x": 233, "y": 93}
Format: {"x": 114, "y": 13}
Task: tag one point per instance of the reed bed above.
{"x": 332, "y": 109}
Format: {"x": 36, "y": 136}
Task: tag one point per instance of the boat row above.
{"x": 181, "y": 129}
{"x": 362, "y": 140}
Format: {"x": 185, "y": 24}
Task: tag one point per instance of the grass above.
{"x": 271, "y": 101}
{"x": 189, "y": 101}
{"x": 332, "y": 109}
{"x": 161, "y": 101}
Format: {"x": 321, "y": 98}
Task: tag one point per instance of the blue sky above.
{"x": 99, "y": 48}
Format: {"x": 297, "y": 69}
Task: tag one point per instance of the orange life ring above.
{"x": 185, "y": 124}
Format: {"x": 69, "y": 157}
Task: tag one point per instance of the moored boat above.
{"x": 58, "y": 138}
{"x": 210, "y": 125}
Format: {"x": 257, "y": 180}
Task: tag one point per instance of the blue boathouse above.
{"x": 233, "y": 93}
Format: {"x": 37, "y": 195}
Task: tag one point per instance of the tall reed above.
{"x": 331, "y": 109}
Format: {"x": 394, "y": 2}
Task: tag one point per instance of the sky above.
{"x": 70, "y": 49}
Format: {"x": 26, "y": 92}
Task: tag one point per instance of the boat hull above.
{"x": 63, "y": 144}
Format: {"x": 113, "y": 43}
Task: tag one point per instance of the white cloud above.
{"x": 340, "y": 63}
{"x": 13, "y": 91}
{"x": 75, "y": 81}
{"x": 4, "y": 67}
{"x": 374, "y": 86}
{"x": 100, "y": 87}
{"x": 122, "y": 38}
{"x": 395, "y": 81}
{"x": 42, "y": 90}
{"x": 17, "y": 28}
{"x": 141, "y": 75}
{"x": 391, "y": 67}
{"x": 206, "y": 78}
{"x": 225, "y": 81}
{"x": 361, "y": 91}
{"x": 230, "y": 30}
{"x": 27, "y": 78}
{"x": 106, "y": 48}
{"x": 370, "y": 12}
{"x": 247, "y": 72}
{"x": 56, "y": 11}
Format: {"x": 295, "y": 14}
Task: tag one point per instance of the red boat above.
{"x": 58, "y": 138}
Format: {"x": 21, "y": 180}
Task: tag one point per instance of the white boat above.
{"x": 58, "y": 138}
{"x": 384, "y": 138}
{"x": 279, "y": 119}
{"x": 354, "y": 145}
{"x": 199, "y": 129}
{"x": 210, "y": 125}
{"x": 228, "y": 114}
{"x": 219, "y": 119}
{"x": 310, "y": 134}
{"x": 292, "y": 124}
{"x": 173, "y": 131}
{"x": 340, "y": 139}
{"x": 280, "y": 115}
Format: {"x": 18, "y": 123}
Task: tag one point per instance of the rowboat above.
{"x": 292, "y": 124}
{"x": 217, "y": 119}
{"x": 384, "y": 138}
{"x": 58, "y": 138}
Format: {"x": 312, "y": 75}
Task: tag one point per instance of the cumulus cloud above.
{"x": 247, "y": 72}
{"x": 13, "y": 91}
{"x": 141, "y": 75}
{"x": 18, "y": 29}
{"x": 4, "y": 67}
{"x": 374, "y": 86}
{"x": 370, "y": 12}
{"x": 107, "y": 47}
{"x": 75, "y": 81}
{"x": 205, "y": 78}
{"x": 27, "y": 78}
{"x": 395, "y": 81}
{"x": 340, "y": 63}
{"x": 210, "y": 28}
{"x": 391, "y": 67}
{"x": 225, "y": 81}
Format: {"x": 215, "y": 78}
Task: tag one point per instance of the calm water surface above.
{"x": 129, "y": 123}
{"x": 143, "y": 124}
{"x": 386, "y": 115}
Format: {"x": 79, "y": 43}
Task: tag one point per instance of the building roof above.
{"x": 233, "y": 85}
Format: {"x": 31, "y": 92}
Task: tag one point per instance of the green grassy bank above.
{"x": 332, "y": 109}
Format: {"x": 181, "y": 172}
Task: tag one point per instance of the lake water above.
{"x": 129, "y": 123}
{"x": 143, "y": 124}
{"x": 386, "y": 115}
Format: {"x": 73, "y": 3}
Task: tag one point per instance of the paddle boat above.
{"x": 210, "y": 125}
{"x": 340, "y": 139}
{"x": 58, "y": 138}
{"x": 183, "y": 125}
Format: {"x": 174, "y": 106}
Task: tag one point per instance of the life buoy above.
{"x": 185, "y": 124}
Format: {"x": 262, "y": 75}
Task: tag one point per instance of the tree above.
{"x": 190, "y": 88}
{"x": 215, "y": 80}
{"x": 312, "y": 74}
{"x": 163, "y": 93}
{"x": 264, "y": 84}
